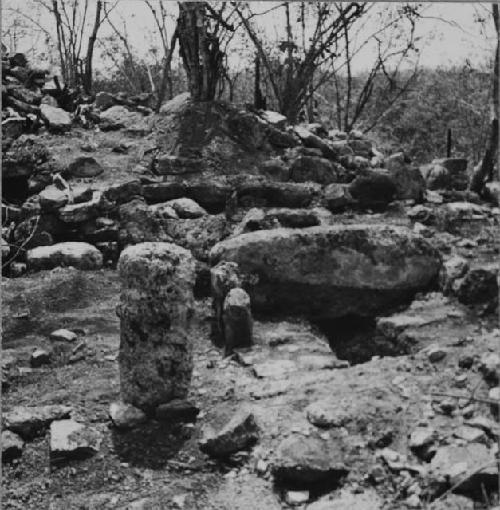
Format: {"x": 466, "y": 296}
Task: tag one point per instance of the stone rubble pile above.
{"x": 28, "y": 102}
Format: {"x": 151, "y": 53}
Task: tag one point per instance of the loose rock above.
{"x": 30, "y": 422}
{"x": 303, "y": 461}
{"x": 177, "y": 410}
{"x": 239, "y": 433}
{"x": 125, "y": 416}
{"x": 72, "y": 440}
{"x": 76, "y": 254}
{"x": 12, "y": 446}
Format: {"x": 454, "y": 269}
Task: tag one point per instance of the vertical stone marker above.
{"x": 155, "y": 313}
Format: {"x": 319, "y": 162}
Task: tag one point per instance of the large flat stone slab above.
{"x": 332, "y": 271}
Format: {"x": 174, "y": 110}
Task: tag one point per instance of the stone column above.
{"x": 155, "y": 311}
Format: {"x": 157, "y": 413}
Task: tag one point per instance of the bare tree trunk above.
{"x": 259, "y": 101}
{"x": 199, "y": 50}
{"x": 166, "y": 78}
{"x": 484, "y": 171}
{"x": 87, "y": 77}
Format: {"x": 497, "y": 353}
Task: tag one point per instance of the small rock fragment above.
{"x": 302, "y": 461}
{"x": 12, "y": 446}
{"x": 186, "y": 208}
{"x": 239, "y": 433}
{"x": 72, "y": 440}
{"x": 435, "y": 353}
{"x": 63, "y": 335}
{"x": 470, "y": 434}
{"x": 39, "y": 357}
{"x": 489, "y": 366}
{"x": 177, "y": 410}
{"x": 125, "y": 416}
{"x": 295, "y": 498}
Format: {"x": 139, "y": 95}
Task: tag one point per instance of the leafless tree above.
{"x": 168, "y": 44}
{"x": 302, "y": 66}
{"x": 204, "y": 30}
{"x": 484, "y": 171}
{"x": 77, "y": 23}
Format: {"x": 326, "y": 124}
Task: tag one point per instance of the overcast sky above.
{"x": 451, "y": 41}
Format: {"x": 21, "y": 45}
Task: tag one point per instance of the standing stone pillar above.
{"x": 155, "y": 313}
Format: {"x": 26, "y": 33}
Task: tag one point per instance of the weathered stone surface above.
{"x": 223, "y": 277}
{"x": 342, "y": 148}
{"x": 313, "y": 169}
{"x": 198, "y": 235}
{"x": 84, "y": 166}
{"x": 408, "y": 180}
{"x": 84, "y": 211}
{"x": 63, "y": 335}
{"x": 125, "y": 416}
{"x": 373, "y": 189}
{"x": 332, "y": 271}
{"x": 52, "y": 197}
{"x": 12, "y": 446}
{"x": 23, "y": 156}
{"x": 79, "y": 255}
{"x": 186, "y": 208}
{"x": 281, "y": 139}
{"x": 453, "y": 268}
{"x": 237, "y": 320}
{"x": 367, "y": 404}
{"x": 56, "y": 119}
{"x": 142, "y": 223}
{"x": 407, "y": 328}
{"x": 175, "y": 105}
{"x": 303, "y": 461}
{"x": 211, "y": 195}
{"x": 163, "y": 191}
{"x": 168, "y": 164}
{"x": 460, "y": 465}
{"x": 123, "y": 192}
{"x": 104, "y": 100}
{"x": 275, "y": 169}
{"x": 453, "y": 502}
{"x": 489, "y": 366}
{"x": 264, "y": 219}
{"x": 155, "y": 313}
{"x": 457, "y": 171}
{"x": 240, "y": 432}
{"x": 347, "y": 500}
{"x": 492, "y": 192}
{"x": 177, "y": 410}
{"x": 72, "y": 440}
{"x": 5, "y": 249}
{"x": 13, "y": 127}
{"x": 336, "y": 197}
{"x": 30, "y": 422}
{"x": 361, "y": 147}
{"x": 309, "y": 139}
{"x": 118, "y": 117}
{"x": 274, "y": 118}
{"x": 276, "y": 194}
{"x": 39, "y": 357}
{"x": 163, "y": 211}
{"x": 479, "y": 285}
